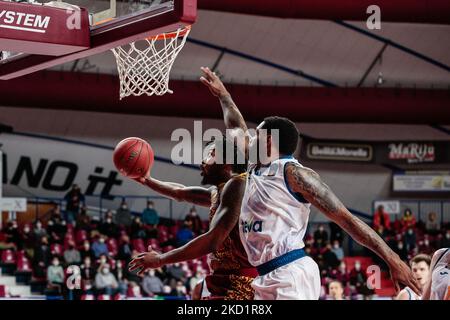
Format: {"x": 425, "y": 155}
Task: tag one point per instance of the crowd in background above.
{"x": 102, "y": 249}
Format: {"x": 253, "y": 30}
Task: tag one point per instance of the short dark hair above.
{"x": 419, "y": 258}
{"x": 227, "y": 144}
{"x": 288, "y": 133}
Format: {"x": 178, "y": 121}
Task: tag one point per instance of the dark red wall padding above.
{"x": 424, "y": 11}
{"x": 91, "y": 92}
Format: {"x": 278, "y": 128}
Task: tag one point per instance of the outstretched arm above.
{"x": 224, "y": 221}
{"x": 196, "y": 195}
{"x": 308, "y": 183}
{"x": 231, "y": 114}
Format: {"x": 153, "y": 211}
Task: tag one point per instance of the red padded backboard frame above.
{"x": 109, "y": 36}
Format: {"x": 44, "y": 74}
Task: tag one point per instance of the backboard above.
{"x": 112, "y": 23}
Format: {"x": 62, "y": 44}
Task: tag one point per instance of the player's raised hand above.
{"x": 213, "y": 82}
{"x": 144, "y": 261}
{"x": 401, "y": 273}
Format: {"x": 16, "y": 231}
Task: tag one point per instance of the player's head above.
{"x": 279, "y": 135}
{"x": 215, "y": 168}
{"x": 420, "y": 266}
{"x": 336, "y": 290}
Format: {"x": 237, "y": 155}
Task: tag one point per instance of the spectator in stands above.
{"x": 125, "y": 251}
{"x": 105, "y": 281}
{"x": 135, "y": 290}
{"x": 425, "y": 246}
{"x": 152, "y": 232}
{"x": 42, "y": 258}
{"x": 400, "y": 249}
{"x": 341, "y": 274}
{"x": 179, "y": 290}
{"x": 445, "y": 241}
{"x": 137, "y": 230}
{"x": 55, "y": 275}
{"x": 56, "y": 227}
{"x": 184, "y": 235}
{"x": 358, "y": 279}
{"x": 86, "y": 251}
{"x": 410, "y": 239}
{"x": 12, "y": 233}
{"x": 175, "y": 273}
{"x": 28, "y": 240}
{"x": 108, "y": 227}
{"x": 74, "y": 199}
{"x": 87, "y": 274}
{"x": 336, "y": 290}
{"x": 83, "y": 221}
{"x": 381, "y": 220}
{"x": 120, "y": 274}
{"x": 330, "y": 260}
{"x": 408, "y": 220}
{"x": 336, "y": 233}
{"x": 432, "y": 225}
{"x": 320, "y": 237}
{"x": 194, "y": 221}
{"x": 123, "y": 215}
{"x": 193, "y": 281}
{"x": 337, "y": 250}
{"x": 99, "y": 246}
{"x": 151, "y": 284}
{"x": 150, "y": 216}
{"x": 39, "y": 231}
{"x": 72, "y": 255}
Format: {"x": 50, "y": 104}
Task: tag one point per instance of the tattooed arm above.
{"x": 223, "y": 222}
{"x": 231, "y": 114}
{"x": 308, "y": 183}
{"x": 196, "y": 195}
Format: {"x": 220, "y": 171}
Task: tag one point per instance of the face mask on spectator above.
{"x": 194, "y": 213}
{"x": 38, "y": 225}
{"x": 101, "y": 240}
{"x": 410, "y": 231}
{"x": 102, "y": 260}
{"x": 447, "y": 235}
{"x": 400, "y": 246}
{"x": 124, "y": 206}
{"x": 105, "y": 270}
{"x": 357, "y": 266}
{"x": 151, "y": 273}
{"x": 320, "y": 229}
{"x": 63, "y": 222}
{"x": 108, "y": 220}
{"x": 426, "y": 242}
{"x": 336, "y": 245}
{"x": 50, "y": 223}
{"x": 55, "y": 263}
{"x": 86, "y": 246}
{"x": 26, "y": 230}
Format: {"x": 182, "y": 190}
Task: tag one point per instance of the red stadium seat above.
{"x": 8, "y": 256}
{"x": 24, "y": 265}
{"x": 173, "y": 230}
{"x": 80, "y": 236}
{"x": 56, "y": 249}
{"x": 2, "y": 291}
{"x": 167, "y": 248}
{"x": 112, "y": 246}
{"x": 154, "y": 243}
{"x": 138, "y": 244}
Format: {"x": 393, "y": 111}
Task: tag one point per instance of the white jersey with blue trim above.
{"x": 440, "y": 277}
{"x": 273, "y": 219}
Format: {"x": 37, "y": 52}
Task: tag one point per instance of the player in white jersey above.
{"x": 438, "y": 286}
{"x": 275, "y": 209}
{"x": 420, "y": 266}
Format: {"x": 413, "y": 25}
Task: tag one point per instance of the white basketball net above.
{"x": 144, "y": 66}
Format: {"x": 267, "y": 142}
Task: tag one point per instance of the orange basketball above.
{"x": 133, "y": 157}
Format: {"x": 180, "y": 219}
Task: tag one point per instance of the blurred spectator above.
{"x": 336, "y": 290}
{"x": 410, "y": 239}
{"x": 358, "y": 279}
{"x": 99, "y": 247}
{"x": 150, "y": 216}
{"x": 124, "y": 252}
{"x": 330, "y": 259}
{"x": 432, "y": 225}
{"x": 39, "y": 231}
{"x": 86, "y": 251}
{"x": 336, "y": 233}
{"x": 12, "y": 233}
{"x": 400, "y": 249}
{"x": 108, "y": 227}
{"x": 179, "y": 290}
{"x": 152, "y": 232}
{"x": 56, "y": 227}
{"x": 381, "y": 219}
{"x": 425, "y": 246}
{"x": 337, "y": 250}
{"x": 445, "y": 241}
{"x": 184, "y": 235}
{"x": 175, "y": 273}
{"x": 87, "y": 273}
{"x": 105, "y": 281}
{"x": 55, "y": 275}
{"x": 135, "y": 290}
{"x": 72, "y": 255}
{"x": 408, "y": 220}
{"x": 74, "y": 200}
{"x": 42, "y": 258}
{"x": 341, "y": 274}
{"x": 83, "y": 221}
{"x": 194, "y": 221}
{"x": 28, "y": 240}
{"x": 193, "y": 281}
{"x": 123, "y": 215}
{"x": 151, "y": 284}
{"x": 320, "y": 237}
{"x": 120, "y": 274}
{"x": 137, "y": 229}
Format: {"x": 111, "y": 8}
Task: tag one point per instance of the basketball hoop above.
{"x": 144, "y": 66}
